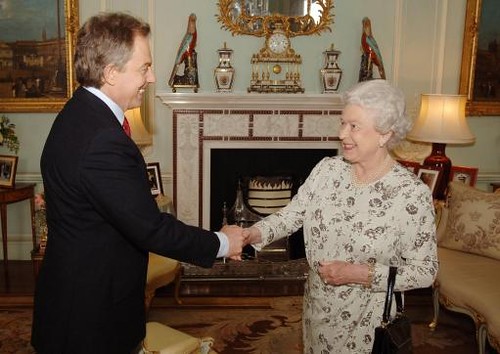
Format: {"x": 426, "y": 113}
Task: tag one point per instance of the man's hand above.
{"x": 237, "y": 238}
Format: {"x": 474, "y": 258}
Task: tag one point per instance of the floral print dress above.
{"x": 390, "y": 220}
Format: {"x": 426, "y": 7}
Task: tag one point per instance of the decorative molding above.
{"x": 167, "y": 179}
{"x": 398, "y": 39}
{"x": 330, "y": 102}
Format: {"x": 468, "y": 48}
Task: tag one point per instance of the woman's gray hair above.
{"x": 387, "y": 104}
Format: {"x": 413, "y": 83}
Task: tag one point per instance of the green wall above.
{"x": 421, "y": 42}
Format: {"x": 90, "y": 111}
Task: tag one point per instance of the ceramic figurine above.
{"x": 371, "y": 54}
{"x": 186, "y": 60}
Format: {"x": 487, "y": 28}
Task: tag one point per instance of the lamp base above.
{"x": 438, "y": 160}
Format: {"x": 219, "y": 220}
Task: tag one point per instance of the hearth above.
{"x": 245, "y": 278}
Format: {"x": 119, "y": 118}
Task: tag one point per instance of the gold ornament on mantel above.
{"x": 276, "y": 68}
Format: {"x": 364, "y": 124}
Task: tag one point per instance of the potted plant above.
{"x": 8, "y": 137}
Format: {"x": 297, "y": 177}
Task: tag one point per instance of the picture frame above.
{"x": 154, "y": 177}
{"x": 413, "y": 166}
{"x": 478, "y": 75}
{"x": 464, "y": 174}
{"x": 8, "y": 169}
{"x": 431, "y": 177}
{"x": 39, "y": 76}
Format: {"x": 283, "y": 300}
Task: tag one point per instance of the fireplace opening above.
{"x": 228, "y": 167}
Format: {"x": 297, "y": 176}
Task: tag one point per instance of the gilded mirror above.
{"x": 260, "y": 17}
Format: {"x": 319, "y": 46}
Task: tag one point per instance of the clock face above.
{"x": 278, "y": 42}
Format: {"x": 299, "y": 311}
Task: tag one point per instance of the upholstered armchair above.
{"x": 162, "y": 270}
{"x": 161, "y": 339}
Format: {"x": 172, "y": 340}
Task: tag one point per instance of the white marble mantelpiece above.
{"x": 202, "y": 122}
{"x": 253, "y": 101}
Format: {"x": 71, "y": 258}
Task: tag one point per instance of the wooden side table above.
{"x": 20, "y": 192}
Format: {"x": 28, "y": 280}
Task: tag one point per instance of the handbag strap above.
{"x": 391, "y": 280}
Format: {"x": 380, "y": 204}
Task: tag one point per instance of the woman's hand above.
{"x": 341, "y": 272}
{"x": 254, "y": 235}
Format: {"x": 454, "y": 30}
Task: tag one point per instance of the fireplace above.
{"x": 235, "y": 168}
{"x": 266, "y": 124}
{"x": 230, "y": 166}
{"x": 219, "y": 138}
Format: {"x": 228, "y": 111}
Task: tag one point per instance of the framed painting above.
{"x": 467, "y": 175}
{"x": 154, "y": 177}
{"x": 37, "y": 41}
{"x": 430, "y": 177}
{"x": 480, "y": 72}
{"x": 8, "y": 168}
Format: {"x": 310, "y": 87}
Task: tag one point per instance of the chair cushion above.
{"x": 166, "y": 340}
{"x": 473, "y": 222}
{"x": 161, "y": 271}
{"x": 468, "y": 281}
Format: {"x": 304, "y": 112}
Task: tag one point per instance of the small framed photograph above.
{"x": 154, "y": 177}
{"x": 467, "y": 175}
{"x": 8, "y": 168}
{"x": 410, "y": 165}
{"x": 430, "y": 177}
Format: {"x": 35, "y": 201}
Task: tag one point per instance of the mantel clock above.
{"x": 276, "y": 67}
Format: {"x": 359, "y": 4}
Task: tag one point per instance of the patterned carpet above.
{"x": 276, "y": 328}
{"x": 272, "y": 326}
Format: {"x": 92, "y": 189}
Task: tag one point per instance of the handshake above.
{"x": 238, "y": 238}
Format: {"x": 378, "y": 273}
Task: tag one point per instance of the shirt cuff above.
{"x": 224, "y": 244}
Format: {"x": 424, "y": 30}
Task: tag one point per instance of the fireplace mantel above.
{"x": 252, "y": 101}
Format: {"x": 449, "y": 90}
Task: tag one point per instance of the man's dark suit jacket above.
{"x": 102, "y": 223}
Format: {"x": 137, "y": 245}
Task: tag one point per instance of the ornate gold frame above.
{"x": 44, "y": 104}
{"x": 243, "y": 24}
{"x": 469, "y": 56}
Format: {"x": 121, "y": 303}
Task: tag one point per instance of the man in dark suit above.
{"x": 101, "y": 216}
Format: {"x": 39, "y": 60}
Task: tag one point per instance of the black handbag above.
{"x": 393, "y": 335}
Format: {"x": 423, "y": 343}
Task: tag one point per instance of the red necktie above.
{"x": 126, "y": 127}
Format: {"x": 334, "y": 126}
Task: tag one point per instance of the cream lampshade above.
{"x": 441, "y": 121}
{"x": 139, "y": 133}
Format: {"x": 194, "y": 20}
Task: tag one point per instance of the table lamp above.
{"x": 139, "y": 133}
{"x": 441, "y": 121}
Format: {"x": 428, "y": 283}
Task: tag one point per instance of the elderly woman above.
{"x": 361, "y": 213}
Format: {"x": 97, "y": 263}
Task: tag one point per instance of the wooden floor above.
{"x": 17, "y": 286}
{"x": 18, "y": 279}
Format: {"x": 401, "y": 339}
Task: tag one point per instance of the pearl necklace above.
{"x": 372, "y": 176}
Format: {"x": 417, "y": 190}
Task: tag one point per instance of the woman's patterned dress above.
{"x": 390, "y": 220}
